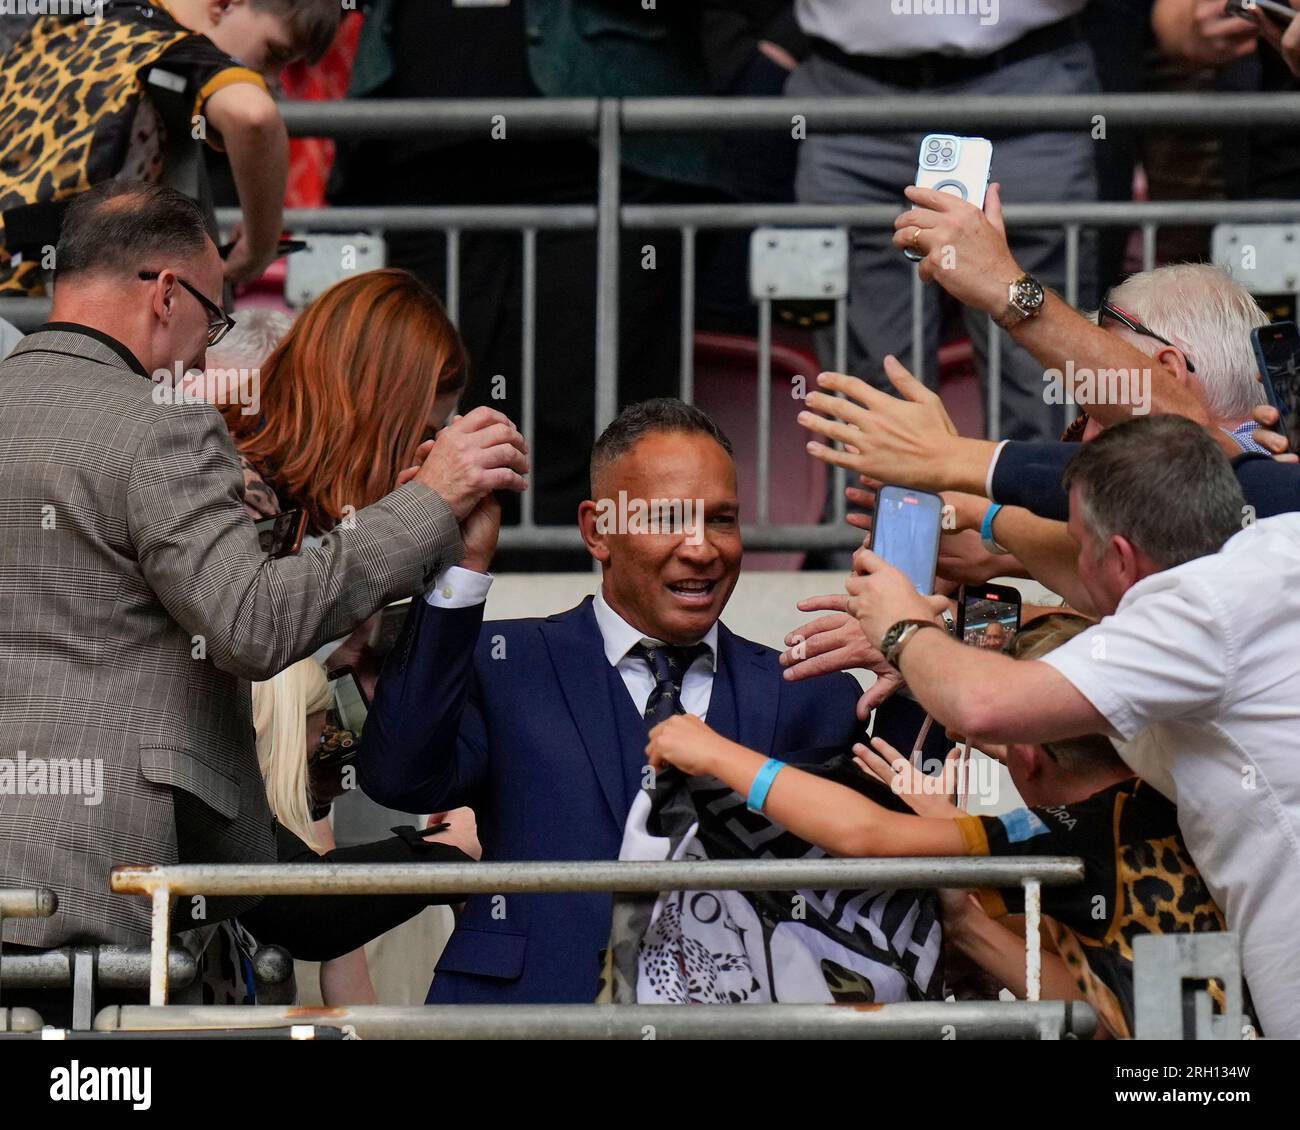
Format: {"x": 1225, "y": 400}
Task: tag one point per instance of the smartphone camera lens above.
{"x": 935, "y": 143}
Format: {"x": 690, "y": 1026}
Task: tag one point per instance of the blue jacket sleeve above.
{"x": 1029, "y": 475}
{"x": 424, "y": 746}
{"x": 1269, "y": 486}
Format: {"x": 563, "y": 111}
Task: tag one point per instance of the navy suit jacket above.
{"x": 527, "y": 722}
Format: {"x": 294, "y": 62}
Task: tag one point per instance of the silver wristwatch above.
{"x": 896, "y": 638}
{"x": 1025, "y": 298}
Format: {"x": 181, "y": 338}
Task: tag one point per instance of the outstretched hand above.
{"x": 893, "y": 438}
{"x": 835, "y": 642}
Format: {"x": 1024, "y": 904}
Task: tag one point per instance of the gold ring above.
{"x": 916, "y": 239}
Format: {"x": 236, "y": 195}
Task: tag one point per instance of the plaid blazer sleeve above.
{"x": 252, "y": 616}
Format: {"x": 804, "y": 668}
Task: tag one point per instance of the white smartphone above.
{"x": 957, "y": 165}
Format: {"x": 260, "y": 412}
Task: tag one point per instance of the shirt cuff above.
{"x": 455, "y": 587}
{"x": 993, "y": 466}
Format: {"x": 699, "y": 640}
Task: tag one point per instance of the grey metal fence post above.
{"x": 607, "y": 265}
{"x": 688, "y": 315}
{"x": 528, "y": 363}
{"x": 763, "y": 409}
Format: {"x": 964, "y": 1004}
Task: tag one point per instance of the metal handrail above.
{"x": 39, "y": 903}
{"x": 224, "y": 879}
{"x": 543, "y": 117}
{"x": 163, "y": 883}
{"x": 914, "y": 1020}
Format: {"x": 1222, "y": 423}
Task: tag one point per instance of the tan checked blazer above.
{"x": 134, "y": 606}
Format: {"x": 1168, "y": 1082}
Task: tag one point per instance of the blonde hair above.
{"x": 1091, "y": 753}
{"x": 280, "y": 709}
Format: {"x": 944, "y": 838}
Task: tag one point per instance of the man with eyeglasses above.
{"x": 137, "y": 603}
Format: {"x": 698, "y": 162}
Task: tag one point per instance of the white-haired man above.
{"x": 1195, "y": 319}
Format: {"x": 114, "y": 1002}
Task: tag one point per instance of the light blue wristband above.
{"x": 986, "y": 530}
{"x": 763, "y": 784}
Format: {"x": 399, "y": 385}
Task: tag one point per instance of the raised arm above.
{"x": 830, "y": 815}
{"x": 250, "y": 615}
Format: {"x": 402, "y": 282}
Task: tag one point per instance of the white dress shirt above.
{"x": 620, "y": 638}
{"x": 455, "y": 587}
{"x": 1198, "y": 671}
{"x": 899, "y": 28}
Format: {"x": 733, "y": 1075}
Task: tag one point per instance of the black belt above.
{"x": 918, "y": 72}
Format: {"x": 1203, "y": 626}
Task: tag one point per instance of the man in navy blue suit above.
{"x": 541, "y": 724}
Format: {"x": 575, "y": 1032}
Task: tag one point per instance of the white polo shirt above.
{"x": 1198, "y": 671}
{"x": 899, "y": 28}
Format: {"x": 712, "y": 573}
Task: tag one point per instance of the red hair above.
{"x": 347, "y": 395}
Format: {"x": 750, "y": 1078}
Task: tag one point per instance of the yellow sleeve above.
{"x": 976, "y": 842}
{"x": 222, "y": 79}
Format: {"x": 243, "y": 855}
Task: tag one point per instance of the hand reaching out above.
{"x": 463, "y": 832}
{"x": 922, "y": 795}
{"x": 835, "y": 643}
{"x": 688, "y": 743}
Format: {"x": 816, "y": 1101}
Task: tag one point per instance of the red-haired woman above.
{"x": 371, "y": 369}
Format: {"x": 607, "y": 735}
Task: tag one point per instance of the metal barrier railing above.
{"x": 986, "y": 1020}
{"x": 607, "y": 121}
{"x": 162, "y": 884}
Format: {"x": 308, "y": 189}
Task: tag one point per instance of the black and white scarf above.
{"x": 745, "y": 947}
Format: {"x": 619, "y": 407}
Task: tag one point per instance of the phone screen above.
{"x": 1277, "y": 349}
{"x": 350, "y": 705}
{"x": 990, "y": 619}
{"x": 905, "y": 532}
{"x": 281, "y": 536}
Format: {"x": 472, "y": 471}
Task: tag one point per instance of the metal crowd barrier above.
{"x": 162, "y": 884}
{"x": 607, "y": 121}
{"x": 985, "y": 1020}
{"x": 21, "y": 904}
{"x": 81, "y": 968}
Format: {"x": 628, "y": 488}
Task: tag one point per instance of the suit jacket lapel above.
{"x": 578, "y": 655}
{"x": 746, "y": 693}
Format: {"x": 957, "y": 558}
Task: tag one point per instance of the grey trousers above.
{"x": 1033, "y": 167}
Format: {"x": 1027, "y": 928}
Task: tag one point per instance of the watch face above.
{"x": 1029, "y": 294}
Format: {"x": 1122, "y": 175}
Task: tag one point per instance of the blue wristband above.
{"x": 986, "y": 529}
{"x": 763, "y": 784}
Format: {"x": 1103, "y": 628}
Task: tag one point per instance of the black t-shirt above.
{"x": 447, "y": 50}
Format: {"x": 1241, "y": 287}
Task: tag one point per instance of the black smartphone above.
{"x": 285, "y": 247}
{"x": 988, "y": 616}
{"x": 282, "y": 535}
{"x": 1277, "y": 352}
{"x": 1279, "y": 12}
{"x": 388, "y": 626}
{"x": 905, "y": 532}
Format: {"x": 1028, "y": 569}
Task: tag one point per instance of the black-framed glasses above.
{"x": 1125, "y": 319}
{"x": 219, "y": 322}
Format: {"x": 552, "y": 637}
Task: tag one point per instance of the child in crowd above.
{"x": 83, "y": 100}
{"x": 1083, "y": 801}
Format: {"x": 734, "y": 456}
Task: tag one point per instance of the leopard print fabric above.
{"x": 75, "y": 108}
{"x": 69, "y": 97}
